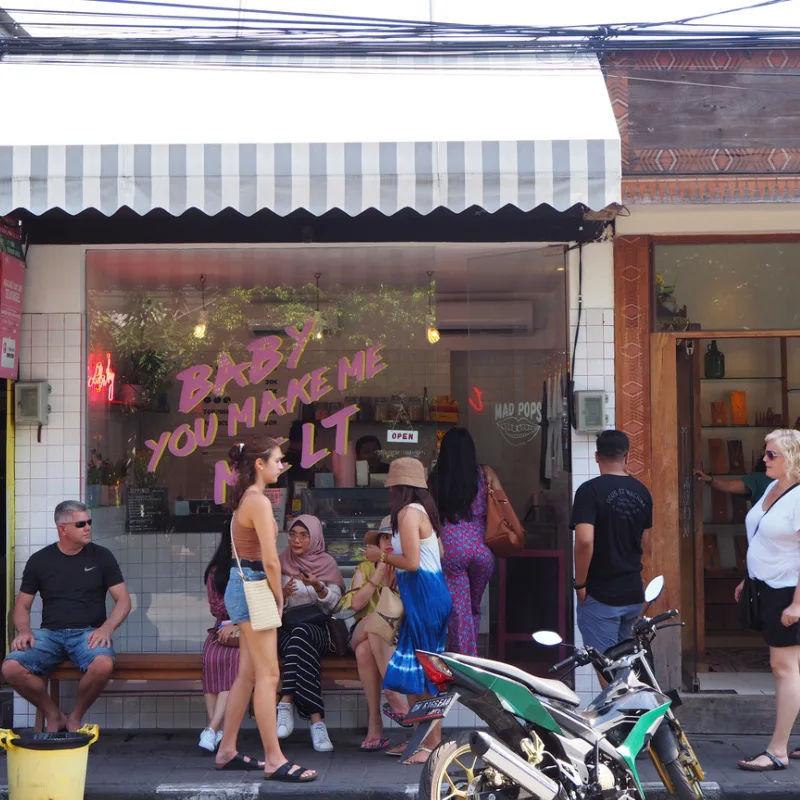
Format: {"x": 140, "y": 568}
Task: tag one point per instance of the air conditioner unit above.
{"x": 460, "y": 317}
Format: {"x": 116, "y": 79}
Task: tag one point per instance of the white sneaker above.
{"x": 219, "y": 738}
{"x": 209, "y": 740}
{"x": 285, "y": 720}
{"x": 320, "y": 739}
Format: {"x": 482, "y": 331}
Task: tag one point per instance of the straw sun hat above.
{"x": 407, "y": 472}
{"x": 373, "y": 537}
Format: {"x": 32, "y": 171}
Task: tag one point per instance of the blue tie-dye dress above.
{"x": 427, "y": 606}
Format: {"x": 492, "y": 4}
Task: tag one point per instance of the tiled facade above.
{"x": 53, "y": 348}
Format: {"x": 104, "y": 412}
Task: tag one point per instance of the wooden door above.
{"x": 690, "y": 517}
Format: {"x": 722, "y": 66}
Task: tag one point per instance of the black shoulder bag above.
{"x": 749, "y": 600}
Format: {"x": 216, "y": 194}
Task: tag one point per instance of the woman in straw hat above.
{"x": 417, "y": 559}
{"x": 373, "y": 652}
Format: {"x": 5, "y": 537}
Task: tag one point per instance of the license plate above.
{"x": 434, "y": 708}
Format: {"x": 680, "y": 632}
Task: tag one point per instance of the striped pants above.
{"x": 302, "y": 649}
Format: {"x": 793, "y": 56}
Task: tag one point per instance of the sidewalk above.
{"x": 163, "y": 765}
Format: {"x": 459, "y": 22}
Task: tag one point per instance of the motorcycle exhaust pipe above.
{"x": 506, "y": 761}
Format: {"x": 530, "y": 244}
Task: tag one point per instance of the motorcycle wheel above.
{"x": 680, "y": 781}
{"x": 449, "y": 770}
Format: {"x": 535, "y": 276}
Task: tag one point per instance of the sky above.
{"x": 500, "y": 12}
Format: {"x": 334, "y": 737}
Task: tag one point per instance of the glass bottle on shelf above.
{"x": 714, "y": 362}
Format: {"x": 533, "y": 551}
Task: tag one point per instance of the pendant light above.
{"x": 318, "y": 332}
{"x": 431, "y": 331}
{"x": 200, "y": 327}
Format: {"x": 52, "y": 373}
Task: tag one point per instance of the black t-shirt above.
{"x": 73, "y": 588}
{"x": 621, "y": 509}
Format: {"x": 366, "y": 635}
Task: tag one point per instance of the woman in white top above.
{"x": 310, "y": 577}
{"x": 417, "y": 559}
{"x": 773, "y": 564}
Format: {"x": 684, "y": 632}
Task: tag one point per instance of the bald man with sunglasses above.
{"x": 73, "y": 576}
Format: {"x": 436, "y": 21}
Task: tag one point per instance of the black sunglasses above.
{"x": 82, "y": 523}
{"x": 772, "y": 455}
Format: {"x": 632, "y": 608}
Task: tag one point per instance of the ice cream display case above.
{"x": 346, "y": 515}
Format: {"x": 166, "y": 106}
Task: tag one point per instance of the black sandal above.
{"x": 291, "y": 773}
{"x": 776, "y": 764}
{"x": 240, "y": 763}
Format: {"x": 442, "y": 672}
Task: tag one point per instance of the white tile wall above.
{"x": 594, "y": 369}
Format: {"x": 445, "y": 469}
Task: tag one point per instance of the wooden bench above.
{"x": 173, "y": 667}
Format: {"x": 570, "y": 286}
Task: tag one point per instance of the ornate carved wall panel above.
{"x": 632, "y": 347}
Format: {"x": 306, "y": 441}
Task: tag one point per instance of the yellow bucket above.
{"x": 42, "y": 766}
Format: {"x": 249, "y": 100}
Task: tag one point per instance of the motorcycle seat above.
{"x": 553, "y": 690}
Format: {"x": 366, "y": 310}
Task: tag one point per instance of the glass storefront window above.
{"x": 191, "y": 349}
{"x": 721, "y": 287}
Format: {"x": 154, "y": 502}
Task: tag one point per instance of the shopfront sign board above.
{"x": 12, "y": 281}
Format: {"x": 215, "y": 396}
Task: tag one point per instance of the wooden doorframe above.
{"x": 646, "y": 400}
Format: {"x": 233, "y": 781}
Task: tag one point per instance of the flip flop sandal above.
{"x": 406, "y": 762}
{"x": 291, "y": 773}
{"x": 397, "y": 751}
{"x": 381, "y": 744}
{"x": 391, "y": 714}
{"x": 776, "y": 764}
{"x": 240, "y": 763}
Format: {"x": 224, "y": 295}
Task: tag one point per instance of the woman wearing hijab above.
{"x": 310, "y": 577}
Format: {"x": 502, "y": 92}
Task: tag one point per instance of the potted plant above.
{"x": 94, "y": 479}
{"x": 668, "y": 316}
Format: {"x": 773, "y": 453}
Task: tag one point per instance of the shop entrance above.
{"x": 732, "y": 390}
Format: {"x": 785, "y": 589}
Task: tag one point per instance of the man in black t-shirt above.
{"x": 610, "y": 514}
{"x": 72, "y": 576}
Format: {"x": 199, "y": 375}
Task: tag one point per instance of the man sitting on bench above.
{"x": 72, "y": 576}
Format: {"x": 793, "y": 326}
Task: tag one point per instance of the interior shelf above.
{"x": 723, "y": 427}
{"x": 743, "y": 379}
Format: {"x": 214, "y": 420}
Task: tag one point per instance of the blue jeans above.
{"x": 53, "y": 647}
{"x": 235, "y": 601}
{"x": 604, "y": 626}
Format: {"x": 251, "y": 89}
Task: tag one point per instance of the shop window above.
{"x": 392, "y": 343}
{"x": 727, "y": 287}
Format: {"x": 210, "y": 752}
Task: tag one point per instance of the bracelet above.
{"x": 383, "y": 557}
{"x": 578, "y": 586}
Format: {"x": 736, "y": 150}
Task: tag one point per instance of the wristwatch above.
{"x": 578, "y": 586}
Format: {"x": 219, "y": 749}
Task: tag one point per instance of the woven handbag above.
{"x": 385, "y": 620}
{"x": 260, "y": 601}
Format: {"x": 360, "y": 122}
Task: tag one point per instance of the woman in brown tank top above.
{"x": 257, "y": 464}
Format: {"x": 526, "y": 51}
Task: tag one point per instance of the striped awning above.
{"x": 285, "y": 135}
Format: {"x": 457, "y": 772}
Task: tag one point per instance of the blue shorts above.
{"x": 53, "y": 647}
{"x": 602, "y": 626}
{"x": 235, "y": 601}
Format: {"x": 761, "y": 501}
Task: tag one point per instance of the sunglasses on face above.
{"x": 772, "y": 455}
{"x": 82, "y": 523}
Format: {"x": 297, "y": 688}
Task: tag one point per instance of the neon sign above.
{"x": 102, "y": 379}
{"x": 477, "y": 403}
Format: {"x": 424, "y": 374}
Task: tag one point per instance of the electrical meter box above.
{"x": 590, "y": 411}
{"x": 31, "y": 402}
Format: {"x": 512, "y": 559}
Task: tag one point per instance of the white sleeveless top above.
{"x": 429, "y": 557}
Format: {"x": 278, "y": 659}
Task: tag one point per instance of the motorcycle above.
{"x": 538, "y": 744}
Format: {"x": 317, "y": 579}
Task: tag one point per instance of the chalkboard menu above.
{"x": 146, "y": 511}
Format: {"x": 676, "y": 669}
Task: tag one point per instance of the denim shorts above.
{"x": 53, "y": 647}
{"x": 235, "y": 601}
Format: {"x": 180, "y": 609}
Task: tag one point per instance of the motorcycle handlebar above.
{"x": 664, "y": 617}
{"x": 561, "y": 664}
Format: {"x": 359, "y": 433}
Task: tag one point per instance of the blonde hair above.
{"x": 789, "y": 443}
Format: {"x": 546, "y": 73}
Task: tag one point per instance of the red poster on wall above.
{"x": 12, "y": 281}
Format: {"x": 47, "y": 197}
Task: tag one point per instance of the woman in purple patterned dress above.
{"x": 220, "y": 661}
{"x": 458, "y": 485}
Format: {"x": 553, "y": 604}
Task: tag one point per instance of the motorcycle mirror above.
{"x": 547, "y": 638}
{"x": 654, "y": 589}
